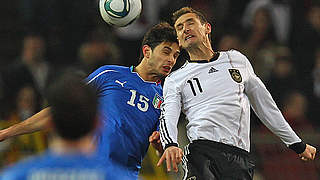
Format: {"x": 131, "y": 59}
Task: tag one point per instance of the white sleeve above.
{"x": 170, "y": 112}
{"x": 266, "y": 109}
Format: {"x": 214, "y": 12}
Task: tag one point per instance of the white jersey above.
{"x": 216, "y": 96}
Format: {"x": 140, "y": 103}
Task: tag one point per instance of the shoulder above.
{"x": 236, "y": 57}
{"x": 106, "y": 71}
{"x": 235, "y": 54}
{"x": 110, "y": 68}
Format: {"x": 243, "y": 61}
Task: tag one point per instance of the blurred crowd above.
{"x": 281, "y": 38}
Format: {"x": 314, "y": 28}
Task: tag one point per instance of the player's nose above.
{"x": 186, "y": 29}
{"x": 171, "y": 60}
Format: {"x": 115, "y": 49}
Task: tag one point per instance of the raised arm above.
{"x": 37, "y": 122}
{"x": 270, "y": 115}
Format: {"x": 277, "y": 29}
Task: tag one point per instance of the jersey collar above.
{"x": 132, "y": 70}
{"x": 215, "y": 57}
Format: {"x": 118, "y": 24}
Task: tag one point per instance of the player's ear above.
{"x": 146, "y": 50}
{"x": 208, "y": 28}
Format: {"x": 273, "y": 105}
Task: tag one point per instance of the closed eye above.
{"x": 179, "y": 27}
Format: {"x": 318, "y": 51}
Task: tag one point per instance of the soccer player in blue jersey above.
{"x": 72, "y": 154}
{"x": 129, "y": 102}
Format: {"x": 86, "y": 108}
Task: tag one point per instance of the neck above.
{"x": 146, "y": 73}
{"x": 201, "y": 52}
{"x": 84, "y": 145}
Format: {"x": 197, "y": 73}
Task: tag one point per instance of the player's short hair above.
{"x": 162, "y": 32}
{"x": 73, "y": 106}
{"x": 186, "y": 10}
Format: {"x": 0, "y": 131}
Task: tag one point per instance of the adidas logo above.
{"x": 212, "y": 70}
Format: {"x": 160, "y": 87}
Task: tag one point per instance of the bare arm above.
{"x": 37, "y": 122}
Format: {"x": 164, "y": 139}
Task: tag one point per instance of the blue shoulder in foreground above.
{"x": 64, "y": 167}
{"x": 129, "y": 110}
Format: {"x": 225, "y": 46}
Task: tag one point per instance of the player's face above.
{"x": 190, "y": 31}
{"x": 163, "y": 58}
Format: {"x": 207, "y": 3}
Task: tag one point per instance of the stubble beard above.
{"x": 191, "y": 46}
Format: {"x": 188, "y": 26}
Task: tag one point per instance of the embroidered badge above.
{"x": 235, "y": 74}
{"x": 157, "y": 101}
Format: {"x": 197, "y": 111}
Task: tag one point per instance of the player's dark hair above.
{"x": 186, "y": 10}
{"x": 73, "y": 106}
{"x": 162, "y": 32}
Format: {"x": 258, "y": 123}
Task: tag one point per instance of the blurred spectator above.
{"x": 287, "y": 166}
{"x": 258, "y": 37}
{"x": 229, "y": 41}
{"x": 97, "y": 51}
{"x": 294, "y": 110}
{"x": 26, "y": 103}
{"x": 261, "y": 30}
{"x": 279, "y": 13}
{"x": 265, "y": 60}
{"x": 30, "y": 69}
{"x": 282, "y": 77}
{"x": 26, "y": 145}
{"x": 33, "y": 58}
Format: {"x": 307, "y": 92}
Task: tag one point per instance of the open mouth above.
{"x": 188, "y": 37}
{"x": 167, "y": 68}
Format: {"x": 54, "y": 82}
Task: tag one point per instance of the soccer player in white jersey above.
{"x": 215, "y": 91}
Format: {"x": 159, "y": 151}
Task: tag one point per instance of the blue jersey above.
{"x": 129, "y": 109}
{"x": 50, "y": 166}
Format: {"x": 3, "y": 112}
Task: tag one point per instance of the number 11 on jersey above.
{"x": 192, "y": 87}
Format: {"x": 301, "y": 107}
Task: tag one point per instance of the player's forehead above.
{"x": 171, "y": 46}
{"x": 185, "y": 18}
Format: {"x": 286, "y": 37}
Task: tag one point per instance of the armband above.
{"x": 171, "y": 144}
{"x": 298, "y": 147}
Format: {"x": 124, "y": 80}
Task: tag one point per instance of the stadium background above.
{"x": 281, "y": 38}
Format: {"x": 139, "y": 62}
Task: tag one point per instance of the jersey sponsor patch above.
{"x": 235, "y": 74}
{"x": 157, "y": 101}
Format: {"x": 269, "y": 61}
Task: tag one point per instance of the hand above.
{"x": 172, "y": 155}
{"x": 154, "y": 139}
{"x": 309, "y": 153}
